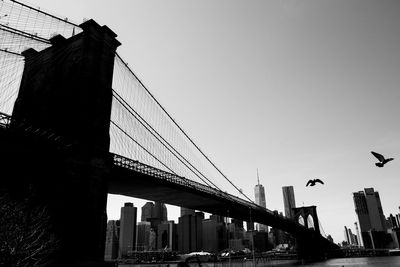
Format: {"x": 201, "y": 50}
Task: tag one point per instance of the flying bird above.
{"x": 382, "y": 160}
{"x": 313, "y": 182}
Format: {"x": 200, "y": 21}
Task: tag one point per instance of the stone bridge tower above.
{"x": 305, "y": 212}
{"x": 66, "y": 90}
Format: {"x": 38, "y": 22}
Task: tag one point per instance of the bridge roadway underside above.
{"x": 135, "y": 184}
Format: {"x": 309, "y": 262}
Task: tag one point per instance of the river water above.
{"x": 359, "y": 262}
{"x": 392, "y": 261}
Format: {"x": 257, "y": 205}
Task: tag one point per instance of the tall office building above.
{"x": 112, "y": 234}
{"x": 350, "y": 238}
{"x": 190, "y": 231}
{"x": 398, "y": 220}
{"x": 154, "y": 211}
{"x": 359, "y": 239}
{"x": 370, "y": 217}
{"x": 353, "y": 238}
{"x": 143, "y": 236}
{"x": 217, "y": 218}
{"x": 259, "y": 193}
{"x": 155, "y": 214}
{"x": 186, "y": 211}
{"x": 147, "y": 211}
{"x": 127, "y": 235}
{"x": 167, "y": 236}
{"x": 153, "y": 240}
{"x": 214, "y": 234}
{"x": 288, "y": 200}
{"x": 160, "y": 212}
{"x": 346, "y": 235}
{"x": 260, "y": 200}
{"x": 391, "y": 222}
{"x": 249, "y": 226}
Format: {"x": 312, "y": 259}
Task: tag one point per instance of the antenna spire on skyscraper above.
{"x": 258, "y": 177}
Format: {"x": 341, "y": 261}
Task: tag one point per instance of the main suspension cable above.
{"x": 183, "y": 132}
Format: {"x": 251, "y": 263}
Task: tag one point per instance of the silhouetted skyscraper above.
{"x": 288, "y": 200}
{"x": 154, "y": 211}
{"x": 112, "y": 239}
{"x": 147, "y": 211}
{"x": 259, "y": 193}
{"x": 153, "y": 240}
{"x": 370, "y": 216}
{"x": 214, "y": 234}
{"x": 186, "y": 211}
{"x": 167, "y": 236}
{"x": 352, "y": 237}
{"x": 359, "y": 239}
{"x": 260, "y": 200}
{"x": 127, "y": 236}
{"x": 217, "y": 218}
{"x": 160, "y": 212}
{"x": 155, "y": 214}
{"x": 346, "y": 235}
{"x": 398, "y": 220}
{"x": 143, "y": 236}
{"x": 250, "y": 226}
{"x": 190, "y": 232}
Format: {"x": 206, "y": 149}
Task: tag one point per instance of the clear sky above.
{"x": 298, "y": 89}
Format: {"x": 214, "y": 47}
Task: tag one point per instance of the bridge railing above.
{"x": 176, "y": 179}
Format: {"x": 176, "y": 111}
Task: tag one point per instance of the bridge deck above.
{"x": 132, "y": 178}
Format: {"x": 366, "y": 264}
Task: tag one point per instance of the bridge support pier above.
{"x": 308, "y": 248}
{"x": 311, "y": 246}
{"x": 58, "y": 199}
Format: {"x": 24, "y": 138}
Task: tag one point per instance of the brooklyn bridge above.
{"x": 82, "y": 125}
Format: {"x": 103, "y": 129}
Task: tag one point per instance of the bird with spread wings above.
{"x": 313, "y": 182}
{"x": 382, "y": 159}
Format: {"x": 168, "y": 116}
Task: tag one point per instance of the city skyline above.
{"x": 308, "y": 88}
{"x": 195, "y": 232}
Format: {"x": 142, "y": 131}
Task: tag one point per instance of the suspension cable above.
{"x": 183, "y": 132}
{"x": 10, "y": 52}
{"x": 23, "y": 34}
{"x": 153, "y": 132}
{"x": 45, "y": 13}
{"x": 130, "y": 137}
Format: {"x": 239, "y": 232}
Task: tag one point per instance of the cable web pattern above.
{"x": 23, "y": 27}
{"x": 34, "y": 22}
{"x": 141, "y": 130}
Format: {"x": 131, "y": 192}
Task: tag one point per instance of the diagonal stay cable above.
{"x": 45, "y": 13}
{"x": 154, "y": 132}
{"x": 10, "y": 52}
{"x": 183, "y": 132}
{"x": 130, "y": 137}
{"x": 23, "y": 34}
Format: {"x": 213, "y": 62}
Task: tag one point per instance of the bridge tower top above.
{"x": 66, "y": 87}
{"x": 305, "y": 212}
